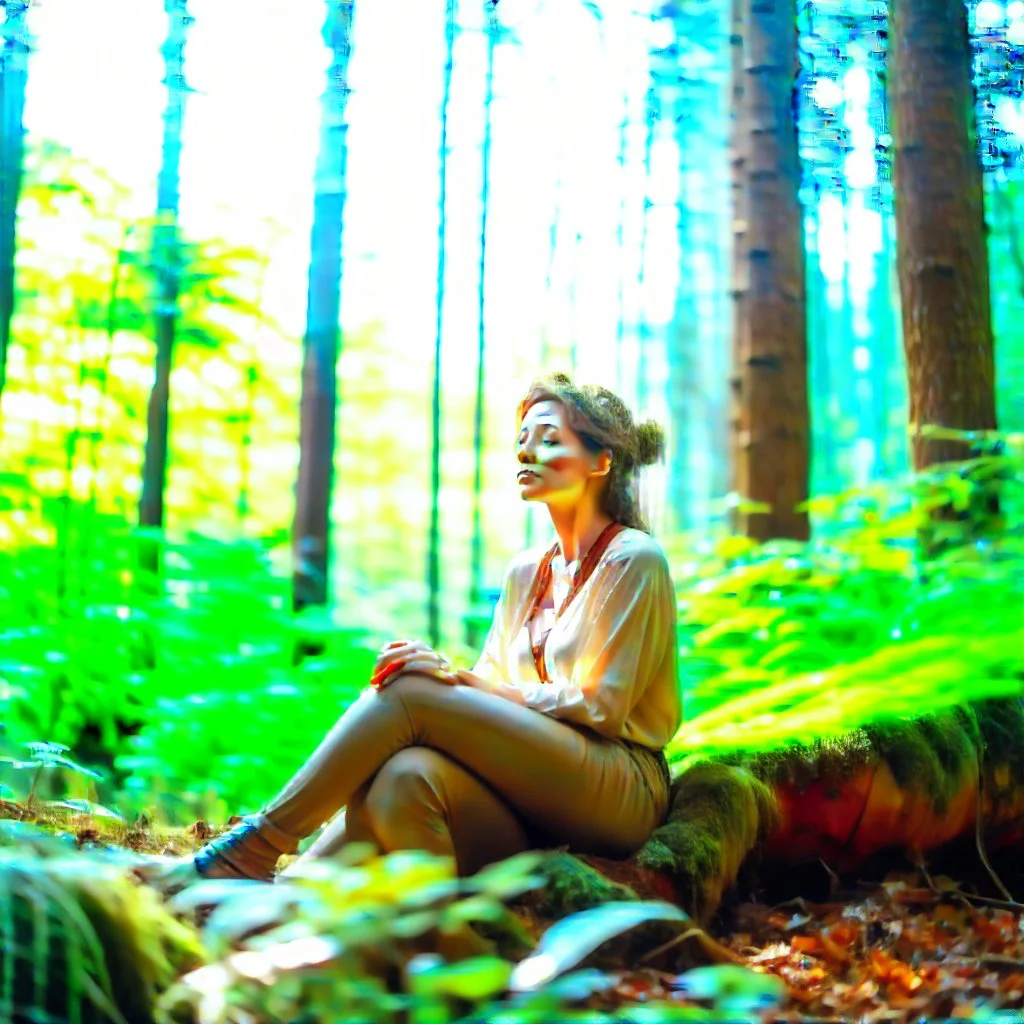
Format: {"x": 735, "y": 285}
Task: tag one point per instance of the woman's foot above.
{"x": 248, "y": 850}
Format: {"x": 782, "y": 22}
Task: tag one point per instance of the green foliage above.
{"x": 353, "y": 940}
{"x": 391, "y": 938}
{"x": 80, "y": 942}
{"x": 910, "y": 601}
{"x": 192, "y": 693}
{"x": 81, "y": 362}
{"x": 187, "y": 688}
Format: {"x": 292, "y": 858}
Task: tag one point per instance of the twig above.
{"x": 979, "y": 841}
{"x": 718, "y": 952}
{"x": 966, "y": 897}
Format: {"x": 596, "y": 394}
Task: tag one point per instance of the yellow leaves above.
{"x": 745, "y": 620}
{"x": 734, "y": 547}
{"x": 781, "y": 653}
{"x": 381, "y": 882}
{"x": 892, "y": 560}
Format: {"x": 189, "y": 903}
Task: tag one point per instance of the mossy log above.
{"x": 909, "y": 786}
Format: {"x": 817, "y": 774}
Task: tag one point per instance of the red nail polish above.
{"x": 389, "y": 671}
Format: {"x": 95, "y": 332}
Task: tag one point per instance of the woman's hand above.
{"x": 411, "y": 656}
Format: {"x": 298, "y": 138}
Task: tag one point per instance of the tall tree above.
{"x": 687, "y": 76}
{"x": 167, "y": 268}
{"x": 621, "y": 373}
{"x": 476, "y": 559}
{"x": 942, "y": 253}
{"x": 771, "y": 412}
{"x": 321, "y": 341}
{"x": 13, "y": 75}
{"x": 434, "y": 540}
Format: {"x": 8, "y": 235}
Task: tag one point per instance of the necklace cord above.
{"x": 542, "y": 580}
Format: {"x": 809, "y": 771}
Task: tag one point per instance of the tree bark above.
{"x": 318, "y": 405}
{"x": 942, "y": 253}
{"x": 166, "y": 264}
{"x": 771, "y": 409}
{"x": 13, "y": 76}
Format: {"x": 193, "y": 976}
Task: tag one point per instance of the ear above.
{"x": 603, "y": 465}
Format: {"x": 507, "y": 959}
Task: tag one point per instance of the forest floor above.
{"x": 895, "y": 951}
{"x": 912, "y": 947}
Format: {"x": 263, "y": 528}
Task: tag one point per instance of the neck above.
{"x": 578, "y": 528}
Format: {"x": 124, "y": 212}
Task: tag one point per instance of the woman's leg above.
{"x": 579, "y": 787}
{"x": 422, "y": 800}
{"x": 351, "y": 825}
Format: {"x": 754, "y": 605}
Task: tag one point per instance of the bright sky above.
{"x": 252, "y": 131}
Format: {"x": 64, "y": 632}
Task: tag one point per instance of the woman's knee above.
{"x": 408, "y": 778}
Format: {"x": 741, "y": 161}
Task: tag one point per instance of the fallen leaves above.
{"x": 898, "y": 952}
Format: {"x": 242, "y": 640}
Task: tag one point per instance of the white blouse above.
{"x": 612, "y": 658}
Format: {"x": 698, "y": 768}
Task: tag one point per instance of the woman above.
{"x": 558, "y": 731}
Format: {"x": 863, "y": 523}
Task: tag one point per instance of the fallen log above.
{"x": 909, "y": 786}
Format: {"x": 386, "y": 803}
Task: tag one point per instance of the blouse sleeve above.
{"x": 492, "y": 663}
{"x": 631, "y": 632}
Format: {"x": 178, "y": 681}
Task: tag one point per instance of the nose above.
{"x": 524, "y": 456}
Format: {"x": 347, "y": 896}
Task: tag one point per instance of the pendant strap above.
{"x": 542, "y": 580}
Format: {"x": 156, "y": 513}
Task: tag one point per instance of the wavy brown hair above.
{"x": 604, "y": 422}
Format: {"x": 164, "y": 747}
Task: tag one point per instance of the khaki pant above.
{"x": 452, "y": 770}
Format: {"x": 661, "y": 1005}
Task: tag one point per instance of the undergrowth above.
{"x": 197, "y": 694}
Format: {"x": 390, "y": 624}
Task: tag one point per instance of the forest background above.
{"x": 511, "y": 187}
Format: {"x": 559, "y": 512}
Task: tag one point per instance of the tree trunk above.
{"x": 318, "y": 405}
{"x": 942, "y": 254}
{"x": 772, "y": 414}
{"x": 477, "y": 614}
{"x": 434, "y": 540}
{"x": 738, "y": 167}
{"x": 683, "y": 349}
{"x": 621, "y": 361}
{"x": 166, "y": 258}
{"x": 13, "y": 75}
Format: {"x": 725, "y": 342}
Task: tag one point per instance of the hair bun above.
{"x": 650, "y": 443}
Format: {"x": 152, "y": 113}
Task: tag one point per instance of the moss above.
{"x": 1001, "y": 726}
{"x": 718, "y": 814}
{"x": 572, "y": 886}
{"x": 722, "y": 806}
{"x": 833, "y": 758}
{"x": 930, "y": 755}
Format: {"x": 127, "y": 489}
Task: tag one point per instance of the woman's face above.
{"x": 554, "y": 464}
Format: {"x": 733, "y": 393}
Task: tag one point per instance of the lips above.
{"x": 526, "y": 474}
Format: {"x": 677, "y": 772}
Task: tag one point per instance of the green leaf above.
{"x": 568, "y": 941}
